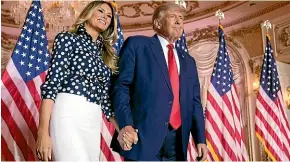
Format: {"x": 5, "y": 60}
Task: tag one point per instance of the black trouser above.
{"x": 171, "y": 149}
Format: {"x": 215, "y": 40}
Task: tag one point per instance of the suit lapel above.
{"x": 159, "y": 55}
{"x": 182, "y": 73}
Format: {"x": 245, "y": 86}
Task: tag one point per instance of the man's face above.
{"x": 172, "y": 24}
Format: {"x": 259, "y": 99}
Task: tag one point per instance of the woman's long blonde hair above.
{"x": 108, "y": 36}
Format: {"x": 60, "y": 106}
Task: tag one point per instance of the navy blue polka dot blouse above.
{"x": 77, "y": 68}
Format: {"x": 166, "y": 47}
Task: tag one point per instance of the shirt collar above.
{"x": 164, "y": 42}
{"x": 82, "y": 30}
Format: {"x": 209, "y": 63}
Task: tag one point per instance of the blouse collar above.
{"x": 82, "y": 30}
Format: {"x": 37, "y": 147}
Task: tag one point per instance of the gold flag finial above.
{"x": 115, "y": 5}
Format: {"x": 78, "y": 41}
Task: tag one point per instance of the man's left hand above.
{"x": 202, "y": 151}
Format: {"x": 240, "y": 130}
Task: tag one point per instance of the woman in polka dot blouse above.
{"x": 75, "y": 92}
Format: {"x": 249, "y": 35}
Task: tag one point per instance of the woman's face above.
{"x": 101, "y": 18}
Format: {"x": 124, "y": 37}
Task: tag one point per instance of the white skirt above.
{"x": 75, "y": 128}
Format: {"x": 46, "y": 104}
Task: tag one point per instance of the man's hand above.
{"x": 127, "y": 136}
{"x": 202, "y": 151}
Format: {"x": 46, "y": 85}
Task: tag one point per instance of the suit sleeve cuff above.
{"x": 127, "y": 121}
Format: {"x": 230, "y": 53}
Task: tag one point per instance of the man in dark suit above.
{"x": 157, "y": 93}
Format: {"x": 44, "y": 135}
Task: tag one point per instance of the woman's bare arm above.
{"x": 44, "y": 116}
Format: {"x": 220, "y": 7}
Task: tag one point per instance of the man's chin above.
{"x": 178, "y": 34}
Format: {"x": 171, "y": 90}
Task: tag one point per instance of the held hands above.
{"x": 127, "y": 137}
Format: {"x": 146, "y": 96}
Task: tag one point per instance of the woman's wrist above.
{"x": 42, "y": 131}
{"x": 114, "y": 122}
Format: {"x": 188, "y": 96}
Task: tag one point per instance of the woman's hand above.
{"x": 114, "y": 122}
{"x": 43, "y": 143}
{"x": 43, "y": 147}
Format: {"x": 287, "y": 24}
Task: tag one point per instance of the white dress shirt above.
{"x": 164, "y": 44}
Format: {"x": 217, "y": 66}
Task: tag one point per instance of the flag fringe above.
{"x": 209, "y": 146}
{"x": 265, "y": 147}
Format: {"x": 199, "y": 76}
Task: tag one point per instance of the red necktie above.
{"x": 175, "y": 119}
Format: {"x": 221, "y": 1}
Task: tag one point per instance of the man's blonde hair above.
{"x": 159, "y": 12}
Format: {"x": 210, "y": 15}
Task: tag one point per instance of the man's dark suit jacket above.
{"x": 142, "y": 97}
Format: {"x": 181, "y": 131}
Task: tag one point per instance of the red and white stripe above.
{"x": 224, "y": 129}
{"x": 106, "y": 138}
{"x": 20, "y": 104}
{"x": 272, "y": 127}
{"x": 19, "y": 114}
{"x": 191, "y": 150}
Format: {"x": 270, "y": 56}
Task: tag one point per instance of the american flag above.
{"x": 20, "y": 89}
{"x": 271, "y": 125}
{"x": 120, "y": 39}
{"x": 108, "y": 129}
{"x": 224, "y": 128}
{"x": 191, "y": 151}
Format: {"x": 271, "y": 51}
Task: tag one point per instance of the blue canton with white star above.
{"x": 31, "y": 56}
{"x": 222, "y": 76}
{"x": 120, "y": 39}
{"x": 269, "y": 75}
{"x": 181, "y": 43}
